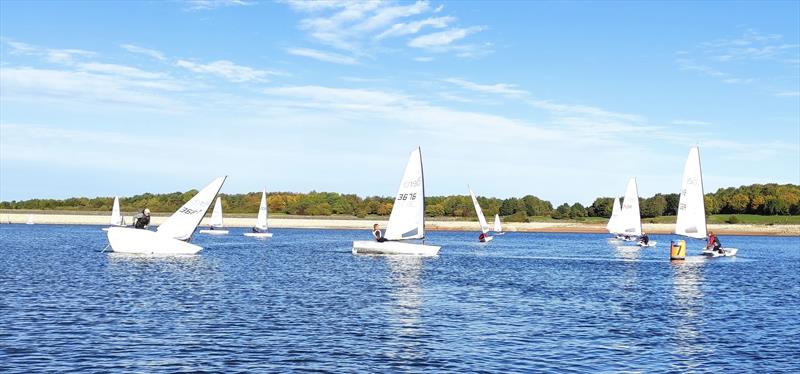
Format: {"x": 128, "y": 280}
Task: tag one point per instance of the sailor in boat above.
{"x": 713, "y": 243}
{"x": 644, "y": 239}
{"x": 376, "y": 233}
{"x": 256, "y": 230}
{"x": 482, "y": 237}
{"x": 142, "y": 220}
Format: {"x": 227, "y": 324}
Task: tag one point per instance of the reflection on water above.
{"x": 687, "y": 295}
{"x": 404, "y": 310}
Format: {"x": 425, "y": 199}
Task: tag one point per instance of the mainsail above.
{"x": 261, "y": 220}
{"x": 181, "y": 224}
{"x": 216, "y": 214}
{"x": 691, "y": 220}
{"x": 407, "y": 220}
{"x": 116, "y": 217}
{"x": 613, "y": 222}
{"x": 479, "y": 212}
{"x": 630, "y": 218}
{"x": 497, "y": 227}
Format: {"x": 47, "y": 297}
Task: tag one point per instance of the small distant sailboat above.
{"x": 484, "y": 236}
{"x": 216, "y": 225}
{"x": 30, "y": 219}
{"x": 407, "y": 220}
{"x": 173, "y": 236}
{"x": 116, "y": 217}
{"x": 630, "y": 222}
{"x": 260, "y": 229}
{"x": 691, "y": 220}
{"x": 613, "y": 222}
{"x": 498, "y": 230}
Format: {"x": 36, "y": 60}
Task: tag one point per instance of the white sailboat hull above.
{"x": 651, "y": 243}
{"x": 496, "y": 233}
{"x": 727, "y": 252}
{"x": 129, "y": 240}
{"x": 106, "y": 228}
{"x": 214, "y": 232}
{"x": 486, "y": 239}
{"x": 258, "y": 234}
{"x": 394, "y": 248}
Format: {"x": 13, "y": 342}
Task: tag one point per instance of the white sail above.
{"x": 181, "y": 224}
{"x": 479, "y": 212}
{"x": 497, "y": 227}
{"x": 261, "y": 220}
{"x": 216, "y": 214}
{"x": 116, "y": 217}
{"x": 630, "y": 218}
{"x": 407, "y": 220}
{"x": 691, "y": 220}
{"x": 613, "y": 222}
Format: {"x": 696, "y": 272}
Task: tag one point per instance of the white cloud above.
{"x": 144, "y": 51}
{"x": 213, "y": 4}
{"x": 441, "y": 40}
{"x": 788, "y": 94}
{"x": 690, "y": 122}
{"x": 401, "y": 29}
{"x": 423, "y": 59}
{"x": 359, "y": 27}
{"x": 323, "y": 56}
{"x": 498, "y": 88}
{"x": 37, "y": 85}
{"x": 228, "y": 70}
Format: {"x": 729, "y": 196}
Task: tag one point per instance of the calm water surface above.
{"x": 302, "y": 301}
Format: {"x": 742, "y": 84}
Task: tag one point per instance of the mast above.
{"x": 422, "y": 174}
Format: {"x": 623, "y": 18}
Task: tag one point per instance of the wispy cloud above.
{"x": 497, "y": 88}
{"x": 53, "y": 55}
{"x": 323, "y": 56}
{"x": 740, "y": 60}
{"x": 364, "y": 28}
{"x": 788, "y": 94}
{"x": 690, "y": 122}
{"x": 441, "y": 40}
{"x": 214, "y": 4}
{"x": 228, "y": 70}
{"x": 144, "y": 51}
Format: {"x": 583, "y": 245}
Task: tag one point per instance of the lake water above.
{"x": 302, "y": 301}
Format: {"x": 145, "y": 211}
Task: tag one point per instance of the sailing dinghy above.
{"x": 172, "y": 237}
{"x": 407, "y": 220}
{"x": 216, "y": 225}
{"x": 260, "y": 229}
{"x": 116, "y": 216}
{"x": 691, "y": 221}
{"x": 30, "y": 219}
{"x": 484, "y": 237}
{"x": 498, "y": 230}
{"x": 613, "y": 222}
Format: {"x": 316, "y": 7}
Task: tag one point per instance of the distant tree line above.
{"x": 764, "y": 199}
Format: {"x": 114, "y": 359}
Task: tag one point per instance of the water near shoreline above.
{"x": 301, "y": 300}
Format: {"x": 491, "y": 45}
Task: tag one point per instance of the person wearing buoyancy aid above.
{"x": 376, "y": 233}
{"x": 714, "y": 243}
{"x": 142, "y": 220}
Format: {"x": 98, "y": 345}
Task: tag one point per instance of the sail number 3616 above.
{"x": 407, "y": 196}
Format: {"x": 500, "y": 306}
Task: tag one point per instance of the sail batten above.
{"x": 407, "y": 220}
{"x": 691, "y": 219}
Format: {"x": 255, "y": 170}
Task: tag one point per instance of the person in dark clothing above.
{"x": 482, "y": 237}
{"x": 644, "y": 238}
{"x": 376, "y": 233}
{"x": 714, "y": 243}
{"x": 142, "y": 220}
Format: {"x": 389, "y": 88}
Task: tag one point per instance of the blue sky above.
{"x": 563, "y": 100}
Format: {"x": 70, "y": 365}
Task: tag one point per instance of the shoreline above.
{"x": 433, "y": 225}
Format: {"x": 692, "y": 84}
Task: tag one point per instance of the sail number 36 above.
{"x": 407, "y": 196}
